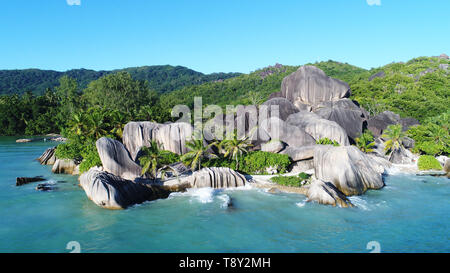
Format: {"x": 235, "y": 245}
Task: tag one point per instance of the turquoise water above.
{"x": 411, "y": 214}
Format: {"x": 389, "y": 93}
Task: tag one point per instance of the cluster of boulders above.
{"x": 312, "y": 107}
{"x": 60, "y": 166}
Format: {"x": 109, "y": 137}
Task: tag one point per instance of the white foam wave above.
{"x": 226, "y": 200}
{"x": 359, "y": 202}
{"x": 301, "y": 204}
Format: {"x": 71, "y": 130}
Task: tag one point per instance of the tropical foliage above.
{"x": 327, "y": 141}
{"x": 365, "y": 142}
{"x": 393, "y": 136}
{"x": 432, "y": 137}
{"x": 428, "y": 162}
{"x": 292, "y": 181}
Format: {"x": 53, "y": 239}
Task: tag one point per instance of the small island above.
{"x": 319, "y": 143}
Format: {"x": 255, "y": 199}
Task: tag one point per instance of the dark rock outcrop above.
{"x": 45, "y": 187}
{"x": 380, "y": 74}
{"x": 380, "y": 122}
{"x": 347, "y": 114}
{"x": 26, "y": 180}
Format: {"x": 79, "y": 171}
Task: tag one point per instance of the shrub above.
{"x": 428, "y": 162}
{"x": 327, "y": 141}
{"x": 257, "y": 162}
{"x": 167, "y": 157}
{"x": 291, "y": 181}
{"x": 365, "y": 142}
{"x": 90, "y": 159}
{"x": 253, "y": 162}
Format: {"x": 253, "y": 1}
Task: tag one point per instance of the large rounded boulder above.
{"x": 326, "y": 193}
{"x": 171, "y": 136}
{"x": 112, "y": 192}
{"x": 277, "y": 129}
{"x": 286, "y": 108}
{"x": 318, "y": 127}
{"x": 347, "y": 114}
{"x": 310, "y": 85}
{"x": 216, "y": 177}
{"x": 349, "y": 169}
{"x": 116, "y": 159}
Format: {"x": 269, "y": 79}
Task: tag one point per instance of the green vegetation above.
{"x": 161, "y": 78}
{"x": 155, "y": 161}
{"x": 235, "y": 148}
{"x": 432, "y": 137}
{"x": 418, "y": 88}
{"x": 257, "y": 162}
{"x": 428, "y": 162}
{"x": 393, "y": 136}
{"x": 198, "y": 151}
{"x": 327, "y": 141}
{"x": 365, "y": 142}
{"x": 84, "y": 105}
{"x": 292, "y": 181}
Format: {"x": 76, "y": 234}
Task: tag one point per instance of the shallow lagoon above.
{"x": 411, "y": 214}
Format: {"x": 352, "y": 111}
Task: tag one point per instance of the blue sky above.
{"x": 218, "y": 36}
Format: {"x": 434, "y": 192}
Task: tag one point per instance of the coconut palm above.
{"x": 198, "y": 151}
{"x": 365, "y": 142}
{"x": 77, "y": 124}
{"x": 119, "y": 120}
{"x": 96, "y": 125}
{"x": 234, "y": 147}
{"x": 150, "y": 159}
{"x": 393, "y": 135}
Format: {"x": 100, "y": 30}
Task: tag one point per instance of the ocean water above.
{"x": 411, "y": 214}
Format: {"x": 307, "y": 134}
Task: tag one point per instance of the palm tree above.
{"x": 394, "y": 135}
{"x": 77, "y": 124}
{"x": 150, "y": 161}
{"x": 365, "y": 142}
{"x": 235, "y": 147}
{"x": 119, "y": 120}
{"x": 198, "y": 151}
{"x": 96, "y": 125}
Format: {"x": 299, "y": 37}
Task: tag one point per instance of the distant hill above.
{"x": 254, "y": 87}
{"x": 162, "y": 78}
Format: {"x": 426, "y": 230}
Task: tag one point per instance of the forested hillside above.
{"x": 161, "y": 78}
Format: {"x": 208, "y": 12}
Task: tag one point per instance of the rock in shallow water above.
{"x": 327, "y": 194}
{"x": 216, "y": 177}
{"x": 66, "y": 166}
{"x": 349, "y": 169}
{"x": 26, "y": 180}
{"x": 48, "y": 157}
{"x": 112, "y": 192}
